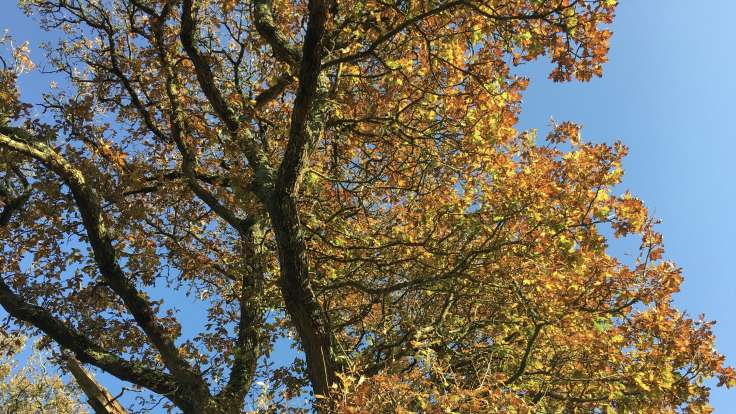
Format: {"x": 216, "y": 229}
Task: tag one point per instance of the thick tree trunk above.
{"x": 299, "y": 298}
{"x": 307, "y": 119}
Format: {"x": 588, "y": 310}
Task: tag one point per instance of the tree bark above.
{"x": 97, "y": 396}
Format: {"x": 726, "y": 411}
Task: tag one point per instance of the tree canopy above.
{"x": 346, "y": 175}
{"x": 28, "y": 387}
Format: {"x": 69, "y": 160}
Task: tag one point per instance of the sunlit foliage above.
{"x": 346, "y": 174}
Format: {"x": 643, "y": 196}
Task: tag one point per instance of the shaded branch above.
{"x": 248, "y": 343}
{"x": 13, "y": 202}
{"x": 84, "y": 349}
{"x": 105, "y": 257}
{"x": 525, "y": 358}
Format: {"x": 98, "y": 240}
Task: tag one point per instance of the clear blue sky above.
{"x": 668, "y": 93}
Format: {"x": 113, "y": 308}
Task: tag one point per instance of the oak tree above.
{"x": 347, "y": 175}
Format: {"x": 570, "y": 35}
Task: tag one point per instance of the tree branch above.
{"x": 266, "y": 27}
{"x": 97, "y": 396}
{"x": 256, "y": 158}
{"x": 248, "y": 344}
{"x": 525, "y": 358}
{"x": 105, "y": 257}
{"x": 387, "y": 36}
{"x": 85, "y": 350}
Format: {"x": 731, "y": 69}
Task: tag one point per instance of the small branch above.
{"x": 525, "y": 358}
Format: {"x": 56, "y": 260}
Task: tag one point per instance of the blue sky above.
{"x": 668, "y": 93}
